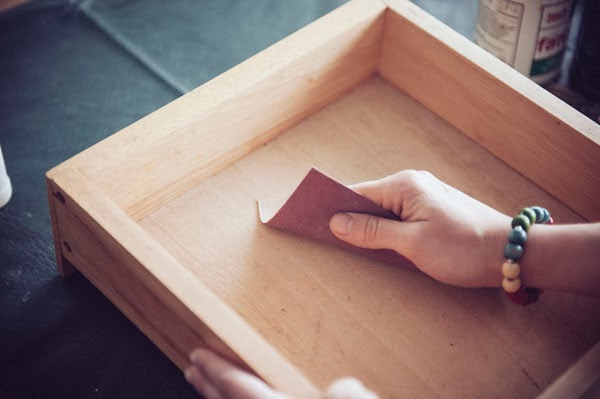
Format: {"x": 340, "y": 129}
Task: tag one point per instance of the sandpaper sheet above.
{"x": 314, "y": 202}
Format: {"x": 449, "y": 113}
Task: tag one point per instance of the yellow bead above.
{"x": 511, "y": 285}
{"x": 511, "y": 270}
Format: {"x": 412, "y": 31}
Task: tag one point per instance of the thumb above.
{"x": 368, "y": 231}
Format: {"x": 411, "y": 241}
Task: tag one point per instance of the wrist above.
{"x": 531, "y": 259}
{"x": 495, "y": 258}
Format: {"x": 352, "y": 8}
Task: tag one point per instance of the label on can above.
{"x": 529, "y": 35}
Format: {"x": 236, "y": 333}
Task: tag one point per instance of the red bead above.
{"x": 524, "y": 296}
{"x": 519, "y": 297}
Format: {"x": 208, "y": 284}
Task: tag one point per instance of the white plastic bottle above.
{"x": 5, "y": 186}
{"x": 529, "y": 35}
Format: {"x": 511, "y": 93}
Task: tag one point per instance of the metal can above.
{"x": 529, "y": 35}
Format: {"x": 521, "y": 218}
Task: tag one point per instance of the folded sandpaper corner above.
{"x": 313, "y": 203}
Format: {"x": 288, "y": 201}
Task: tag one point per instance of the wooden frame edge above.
{"x": 283, "y": 84}
{"x": 578, "y": 379}
{"x": 99, "y": 234}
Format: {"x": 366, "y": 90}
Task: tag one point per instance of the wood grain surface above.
{"x": 162, "y": 298}
{"x": 334, "y": 313}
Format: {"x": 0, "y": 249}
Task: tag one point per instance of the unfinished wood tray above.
{"x": 162, "y": 216}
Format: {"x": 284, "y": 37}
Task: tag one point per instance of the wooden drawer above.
{"x": 162, "y": 215}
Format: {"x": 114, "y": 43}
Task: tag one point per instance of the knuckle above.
{"x": 425, "y": 174}
{"x": 408, "y": 175}
{"x": 346, "y": 387}
{"x": 347, "y": 381}
{"x": 409, "y": 179}
{"x": 415, "y": 177}
{"x": 417, "y": 183}
{"x": 372, "y": 229}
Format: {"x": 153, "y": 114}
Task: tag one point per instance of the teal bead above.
{"x": 546, "y": 216}
{"x": 521, "y": 220}
{"x": 513, "y": 251}
{"x": 517, "y": 236}
{"x": 530, "y": 213}
{"x": 539, "y": 213}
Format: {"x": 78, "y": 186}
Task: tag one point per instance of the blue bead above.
{"x": 546, "y": 216}
{"x": 513, "y": 251}
{"x": 539, "y": 213}
{"x": 517, "y": 236}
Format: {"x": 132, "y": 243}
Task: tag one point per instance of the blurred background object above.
{"x": 573, "y": 78}
{"x": 585, "y": 71}
{"x": 5, "y": 185}
{"x": 529, "y": 35}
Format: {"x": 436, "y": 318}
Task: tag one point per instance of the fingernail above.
{"x": 196, "y": 355}
{"x": 341, "y": 224}
{"x": 188, "y": 374}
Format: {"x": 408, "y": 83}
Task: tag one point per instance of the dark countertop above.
{"x": 72, "y": 73}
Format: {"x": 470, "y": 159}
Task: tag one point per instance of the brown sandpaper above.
{"x": 313, "y": 203}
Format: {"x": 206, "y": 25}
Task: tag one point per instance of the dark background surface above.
{"x": 72, "y": 73}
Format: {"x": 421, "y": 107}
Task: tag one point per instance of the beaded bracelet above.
{"x": 513, "y": 251}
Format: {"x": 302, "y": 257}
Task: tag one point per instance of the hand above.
{"x": 444, "y": 232}
{"x": 216, "y": 378}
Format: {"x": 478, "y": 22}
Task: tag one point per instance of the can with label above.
{"x": 529, "y": 35}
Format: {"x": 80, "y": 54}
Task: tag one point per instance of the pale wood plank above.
{"x": 333, "y": 313}
{"x": 172, "y": 307}
{"x": 554, "y": 145}
{"x": 232, "y": 115}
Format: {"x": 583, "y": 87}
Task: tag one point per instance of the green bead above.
{"x": 513, "y": 251}
{"x": 517, "y": 236}
{"x": 530, "y": 213}
{"x": 521, "y": 220}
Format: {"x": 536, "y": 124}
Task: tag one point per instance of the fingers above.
{"x": 216, "y": 378}
{"x": 367, "y": 231}
{"x": 349, "y": 388}
{"x": 393, "y": 191}
{"x": 371, "y": 189}
{"x": 201, "y": 384}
